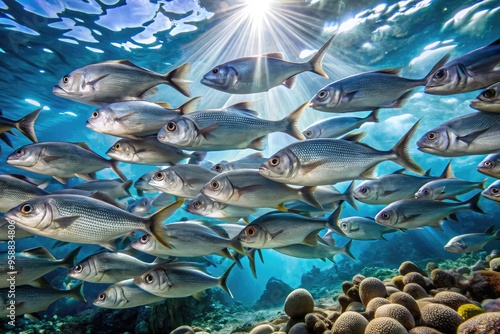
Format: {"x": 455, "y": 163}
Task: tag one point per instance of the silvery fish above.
{"x": 25, "y": 124}
{"x": 328, "y": 161}
{"x": 32, "y": 264}
{"x": 471, "y": 134}
{"x": 149, "y": 151}
{"x": 363, "y": 228}
{"x": 257, "y": 74}
{"x": 116, "y": 189}
{"x": 181, "y": 280}
{"x": 320, "y": 251}
{"x": 414, "y": 213}
{"x": 117, "y": 80}
{"x": 490, "y": 165}
{"x": 16, "y": 189}
{"x": 125, "y": 294}
{"x": 142, "y": 184}
{"x": 134, "y": 119}
{"x": 109, "y": 267}
{"x": 252, "y": 161}
{"x": 205, "y": 206}
{"x": 471, "y": 71}
{"x": 493, "y": 192}
{"x": 85, "y": 220}
{"x": 334, "y": 127}
{"x": 189, "y": 239}
{"x": 31, "y": 300}
{"x": 278, "y": 229}
{"x": 447, "y": 189}
{"x": 182, "y": 180}
{"x": 369, "y": 91}
{"x": 488, "y": 100}
{"x": 15, "y": 232}
{"x": 234, "y": 127}
{"x": 141, "y": 207}
{"x": 472, "y": 242}
{"x": 61, "y": 160}
{"x": 247, "y": 188}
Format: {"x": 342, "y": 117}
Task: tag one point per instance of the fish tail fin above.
{"x": 307, "y": 196}
{"x": 77, "y": 293}
{"x": 349, "y": 196}
{"x": 126, "y": 187}
{"x": 473, "y": 203}
{"x": 347, "y": 250}
{"x": 70, "y": 260}
{"x": 316, "y": 61}
{"x": 401, "y": 151}
{"x": 290, "y": 122}
{"x": 27, "y": 123}
{"x": 189, "y": 106}
{"x": 482, "y": 185}
{"x": 177, "y": 78}
{"x": 223, "y": 280}
{"x": 114, "y": 167}
{"x": 436, "y": 67}
{"x": 373, "y": 117}
{"x": 197, "y": 157}
{"x": 332, "y": 220}
{"x": 236, "y": 245}
{"x": 156, "y": 221}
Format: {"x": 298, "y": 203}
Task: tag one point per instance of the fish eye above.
{"x": 487, "y": 164}
{"x": 95, "y": 114}
{"x": 426, "y": 192}
{"x": 431, "y": 136}
{"x": 215, "y": 185}
{"x": 78, "y": 268}
{"x": 197, "y": 204}
{"x": 149, "y": 278}
{"x": 65, "y": 79}
{"x": 274, "y": 161}
{"x": 494, "y": 190}
{"x": 385, "y": 215}
{"x": 309, "y": 133}
{"x": 364, "y": 190}
{"x": 489, "y": 93}
{"x": 218, "y": 168}
{"x": 250, "y": 231}
{"x": 26, "y": 208}
{"x": 144, "y": 239}
{"x": 20, "y": 152}
{"x": 117, "y": 146}
{"x": 171, "y": 126}
{"x": 102, "y": 297}
{"x": 440, "y": 74}
{"x": 159, "y": 176}
{"x": 343, "y": 225}
{"x": 215, "y": 71}
{"x": 322, "y": 94}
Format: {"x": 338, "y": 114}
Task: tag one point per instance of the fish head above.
{"x": 219, "y": 188}
{"x": 449, "y": 78}
{"x": 489, "y": 164}
{"x": 221, "y": 77}
{"x": 312, "y": 132}
{"x": 142, "y": 183}
{"x": 102, "y": 119}
{"x": 72, "y": 85}
{"x": 142, "y": 207}
{"x": 425, "y": 192}
{"x": 26, "y": 156}
{"x": 281, "y": 166}
{"x": 145, "y": 243}
{"x": 180, "y": 131}
{"x": 33, "y": 215}
{"x": 86, "y": 270}
{"x": 153, "y": 280}
{"x": 366, "y": 191}
{"x": 221, "y": 167}
{"x": 435, "y": 141}
{"x": 492, "y": 192}
{"x": 456, "y": 245}
{"x": 253, "y": 235}
{"x": 166, "y": 180}
{"x": 488, "y": 99}
{"x": 200, "y": 205}
{"x": 347, "y": 225}
{"x": 111, "y": 297}
{"x": 387, "y": 216}
{"x": 327, "y": 98}
{"x": 122, "y": 150}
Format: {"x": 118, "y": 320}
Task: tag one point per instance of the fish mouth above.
{"x": 264, "y": 171}
{"x": 207, "y": 82}
{"x": 89, "y": 125}
{"x": 57, "y": 90}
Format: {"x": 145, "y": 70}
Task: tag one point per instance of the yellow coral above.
{"x": 467, "y": 311}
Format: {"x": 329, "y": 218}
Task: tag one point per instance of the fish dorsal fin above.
{"x": 243, "y": 107}
{"x": 165, "y": 105}
{"x": 84, "y": 146}
{"x": 24, "y": 178}
{"x": 448, "y": 172}
{"x": 497, "y": 42}
{"x": 39, "y": 252}
{"x": 276, "y": 55}
{"x": 428, "y": 172}
{"x": 126, "y": 62}
{"x": 103, "y": 197}
{"x": 354, "y": 136}
{"x": 489, "y": 230}
{"x": 399, "y": 171}
{"x": 393, "y": 70}
{"x": 257, "y": 155}
{"x": 220, "y": 231}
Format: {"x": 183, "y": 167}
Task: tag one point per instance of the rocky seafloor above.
{"x": 460, "y": 296}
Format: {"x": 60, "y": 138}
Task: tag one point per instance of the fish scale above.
{"x": 14, "y": 191}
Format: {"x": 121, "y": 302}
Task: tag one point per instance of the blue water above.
{"x": 42, "y": 41}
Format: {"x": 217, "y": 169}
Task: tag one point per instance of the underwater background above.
{"x": 44, "y": 40}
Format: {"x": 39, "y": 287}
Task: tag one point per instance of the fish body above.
{"x": 61, "y": 160}
{"x": 85, "y": 220}
{"x": 488, "y": 100}
{"x": 25, "y": 124}
{"x": 231, "y": 128}
{"x": 447, "y": 189}
{"x": 257, "y": 74}
{"x": 328, "y": 161}
{"x": 15, "y": 189}
{"x": 490, "y": 165}
{"x": 116, "y": 189}
{"x": 415, "y": 213}
{"x": 320, "y": 251}
{"x": 252, "y": 161}
{"x": 125, "y": 294}
{"x": 363, "y": 228}
{"x": 493, "y": 192}
{"x": 247, "y": 188}
{"x": 205, "y": 206}
{"x": 32, "y": 264}
{"x": 474, "y": 70}
{"x": 15, "y": 232}
{"x": 109, "y": 267}
{"x": 114, "y": 81}
{"x": 182, "y": 180}
{"x": 471, "y": 242}
{"x": 334, "y": 127}
{"x": 134, "y": 119}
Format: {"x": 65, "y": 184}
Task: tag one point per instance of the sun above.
{"x": 256, "y": 10}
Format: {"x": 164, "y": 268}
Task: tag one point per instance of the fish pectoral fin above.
{"x": 96, "y": 80}
{"x": 199, "y": 295}
{"x": 307, "y": 168}
{"x": 126, "y": 117}
{"x": 50, "y": 158}
{"x": 390, "y": 192}
{"x": 410, "y": 217}
{"x": 206, "y": 131}
{"x": 472, "y": 136}
{"x": 370, "y": 173}
{"x": 349, "y": 95}
{"x": 276, "y": 55}
{"x": 275, "y": 234}
{"x": 311, "y": 239}
{"x": 62, "y": 180}
{"x": 258, "y": 144}
{"x": 247, "y": 189}
{"x": 290, "y": 82}
{"x": 62, "y": 222}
